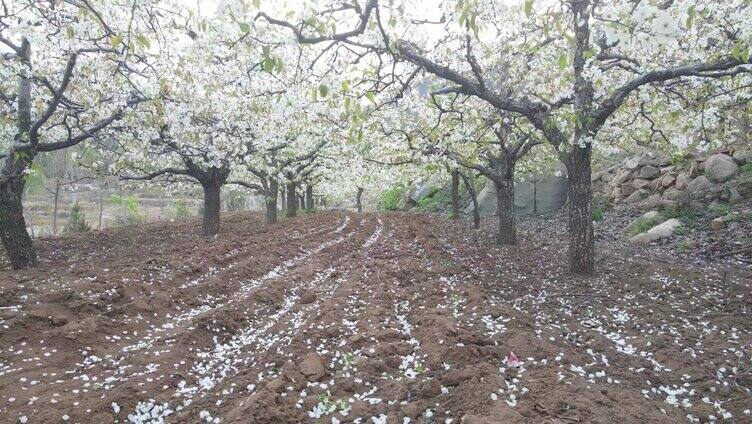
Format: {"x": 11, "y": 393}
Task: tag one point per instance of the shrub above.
{"x": 391, "y": 198}
{"x": 181, "y": 209}
{"x": 130, "y": 204}
{"x": 76, "y": 221}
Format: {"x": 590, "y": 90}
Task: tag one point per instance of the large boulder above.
{"x": 539, "y": 195}
{"x": 699, "y": 184}
{"x": 666, "y": 229}
{"x": 720, "y": 167}
{"x": 648, "y": 172}
{"x": 423, "y": 188}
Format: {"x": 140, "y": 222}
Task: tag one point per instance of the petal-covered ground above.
{"x": 370, "y": 318}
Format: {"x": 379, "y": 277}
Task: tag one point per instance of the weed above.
{"x": 597, "y": 214}
{"x": 682, "y": 246}
{"x": 391, "y": 198}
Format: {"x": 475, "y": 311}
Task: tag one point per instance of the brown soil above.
{"x": 342, "y": 317}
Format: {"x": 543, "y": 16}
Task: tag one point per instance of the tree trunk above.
{"x": 211, "y": 208}
{"x": 15, "y": 238}
{"x": 581, "y": 241}
{"x": 101, "y": 206}
{"x": 505, "y": 208}
{"x": 282, "y": 199}
{"x": 271, "y": 201}
{"x": 13, "y": 232}
{"x": 358, "y": 202}
{"x": 309, "y": 198}
{"x": 56, "y": 199}
{"x": 474, "y": 197}
{"x": 302, "y": 203}
{"x": 455, "y": 194}
{"x": 292, "y": 200}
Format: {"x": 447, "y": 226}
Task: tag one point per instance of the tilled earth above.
{"x": 367, "y": 318}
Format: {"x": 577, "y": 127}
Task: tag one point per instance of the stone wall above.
{"x": 651, "y": 180}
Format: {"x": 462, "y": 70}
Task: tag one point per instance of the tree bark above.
{"x": 212, "y": 204}
{"x": 56, "y": 200}
{"x": 292, "y": 200}
{"x": 474, "y": 197}
{"x": 282, "y": 199}
{"x": 16, "y": 240}
{"x": 271, "y": 201}
{"x": 358, "y": 202}
{"x": 101, "y": 206}
{"x": 302, "y": 203}
{"x": 581, "y": 240}
{"x": 309, "y": 198}
{"x": 505, "y": 209}
{"x": 455, "y": 194}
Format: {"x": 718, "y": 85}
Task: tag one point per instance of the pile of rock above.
{"x": 652, "y": 181}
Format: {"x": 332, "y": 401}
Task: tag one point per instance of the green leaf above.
{"x": 245, "y": 27}
{"x": 257, "y": 3}
{"x": 280, "y": 64}
{"x": 528, "y": 7}
{"x": 370, "y": 96}
{"x": 143, "y": 40}
{"x": 70, "y": 32}
{"x": 690, "y": 16}
{"x": 323, "y": 90}
{"x": 115, "y": 41}
{"x": 587, "y": 54}
{"x": 345, "y": 86}
{"x": 268, "y": 64}
{"x": 562, "y": 61}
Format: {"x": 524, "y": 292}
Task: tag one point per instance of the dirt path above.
{"x": 341, "y": 317}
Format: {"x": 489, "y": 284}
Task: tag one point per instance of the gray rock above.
{"x": 667, "y": 181}
{"x": 666, "y": 229}
{"x": 743, "y": 156}
{"x": 672, "y": 194}
{"x": 651, "y": 218}
{"x": 540, "y": 195}
{"x": 627, "y": 190}
{"x": 637, "y": 196}
{"x": 651, "y": 202}
{"x": 734, "y": 196}
{"x": 648, "y": 172}
{"x": 639, "y": 183}
{"x": 682, "y": 181}
{"x": 720, "y": 167}
{"x": 698, "y": 184}
{"x": 717, "y": 224}
{"x": 621, "y": 177}
{"x": 634, "y": 163}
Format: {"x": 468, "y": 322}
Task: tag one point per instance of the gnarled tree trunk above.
{"x": 16, "y": 240}
{"x": 581, "y": 241}
{"x": 292, "y": 200}
{"x": 309, "y": 198}
{"x": 212, "y": 190}
{"x": 271, "y": 201}
{"x": 358, "y": 201}
{"x": 455, "y": 194}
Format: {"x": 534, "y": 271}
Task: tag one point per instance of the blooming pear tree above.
{"x": 70, "y": 72}
{"x": 564, "y": 66}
